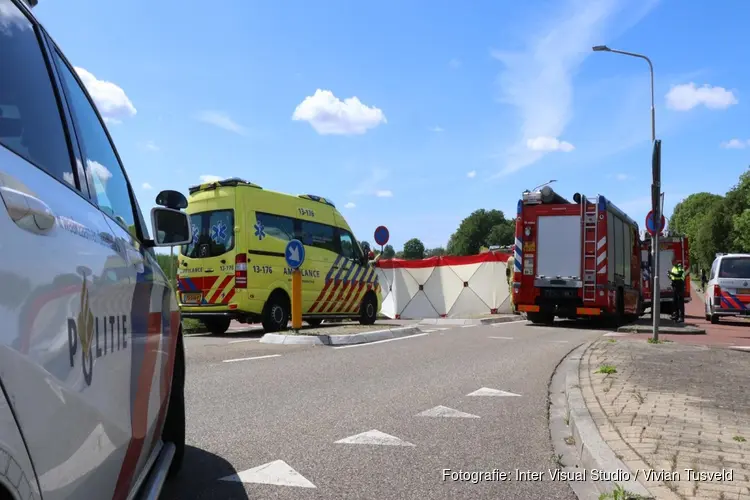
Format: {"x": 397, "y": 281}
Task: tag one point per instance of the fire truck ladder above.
{"x": 589, "y": 214}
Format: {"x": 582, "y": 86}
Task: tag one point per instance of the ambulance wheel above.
{"x": 174, "y": 423}
{"x": 314, "y": 322}
{"x": 217, "y": 326}
{"x": 368, "y": 311}
{"x": 276, "y": 312}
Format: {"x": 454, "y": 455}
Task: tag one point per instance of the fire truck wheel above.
{"x": 541, "y": 318}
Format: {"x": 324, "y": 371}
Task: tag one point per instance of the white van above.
{"x": 728, "y": 289}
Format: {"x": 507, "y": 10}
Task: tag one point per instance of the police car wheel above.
{"x": 368, "y": 311}
{"x": 276, "y": 313}
{"x": 174, "y": 423}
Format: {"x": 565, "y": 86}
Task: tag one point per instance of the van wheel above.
{"x": 276, "y": 313}
{"x": 314, "y": 322}
{"x": 217, "y": 326}
{"x": 714, "y": 318}
{"x": 174, "y": 423}
{"x": 368, "y": 311}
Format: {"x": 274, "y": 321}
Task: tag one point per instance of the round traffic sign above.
{"x": 294, "y": 254}
{"x": 381, "y": 235}
{"x": 651, "y": 227}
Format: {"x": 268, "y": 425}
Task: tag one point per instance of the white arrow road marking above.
{"x": 501, "y": 338}
{"x": 486, "y": 391}
{"x": 444, "y": 411}
{"x": 381, "y": 341}
{"x": 250, "y": 359}
{"x": 374, "y": 437}
{"x": 277, "y": 472}
{"x": 508, "y": 323}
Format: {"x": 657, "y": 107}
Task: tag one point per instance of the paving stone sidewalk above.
{"x": 671, "y": 407}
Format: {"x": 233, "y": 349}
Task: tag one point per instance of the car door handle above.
{"x": 20, "y": 205}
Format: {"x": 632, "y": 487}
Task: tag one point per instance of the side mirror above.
{"x": 171, "y": 227}
{"x": 172, "y": 199}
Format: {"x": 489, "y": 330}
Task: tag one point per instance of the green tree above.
{"x": 434, "y": 252}
{"x": 474, "y": 232}
{"x": 365, "y": 245}
{"x": 737, "y": 202}
{"x": 168, "y": 264}
{"x": 690, "y": 215}
{"x": 714, "y": 235}
{"x": 413, "y": 249}
{"x": 502, "y": 234}
{"x": 388, "y": 252}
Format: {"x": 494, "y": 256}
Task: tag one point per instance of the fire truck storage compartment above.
{"x": 558, "y": 246}
{"x": 620, "y": 241}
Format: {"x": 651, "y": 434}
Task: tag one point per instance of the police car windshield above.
{"x": 735, "y": 267}
{"x": 213, "y": 234}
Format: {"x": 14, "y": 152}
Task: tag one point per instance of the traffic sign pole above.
{"x": 295, "y": 256}
{"x": 296, "y": 299}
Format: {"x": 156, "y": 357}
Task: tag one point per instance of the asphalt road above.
{"x": 286, "y": 407}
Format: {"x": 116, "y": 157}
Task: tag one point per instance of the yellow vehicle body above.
{"x": 235, "y": 267}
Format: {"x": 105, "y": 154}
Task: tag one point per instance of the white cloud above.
{"x": 210, "y": 178}
{"x": 111, "y": 101}
{"x": 329, "y": 115}
{"x": 471, "y": 174}
{"x": 350, "y": 205}
{"x": 621, "y": 177}
{"x": 369, "y": 185}
{"x": 9, "y": 14}
{"x": 151, "y": 146}
{"x": 384, "y": 193}
{"x": 147, "y": 186}
{"x": 222, "y": 120}
{"x": 437, "y": 128}
{"x": 454, "y": 63}
{"x": 537, "y": 81}
{"x": 688, "y": 96}
{"x": 548, "y": 144}
{"x": 736, "y": 144}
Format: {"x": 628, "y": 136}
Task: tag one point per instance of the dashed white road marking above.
{"x": 501, "y": 338}
{"x": 444, "y": 411}
{"x": 428, "y": 331}
{"x": 740, "y": 347}
{"x": 277, "y": 472}
{"x": 374, "y": 437}
{"x": 616, "y": 334}
{"x": 468, "y": 326}
{"x": 380, "y": 341}
{"x": 253, "y": 358}
{"x": 243, "y": 340}
{"x": 486, "y": 391}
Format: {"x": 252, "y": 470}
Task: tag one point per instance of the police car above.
{"x": 91, "y": 354}
{"x": 728, "y": 290}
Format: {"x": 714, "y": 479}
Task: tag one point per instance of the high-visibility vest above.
{"x": 677, "y": 274}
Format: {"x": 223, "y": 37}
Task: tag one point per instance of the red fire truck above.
{"x": 672, "y": 249}
{"x": 573, "y": 260}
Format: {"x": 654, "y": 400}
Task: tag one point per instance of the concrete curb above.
{"x": 672, "y": 330}
{"x": 471, "y": 321}
{"x": 344, "y": 339}
{"x": 592, "y": 451}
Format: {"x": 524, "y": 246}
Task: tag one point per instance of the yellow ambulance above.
{"x": 234, "y": 267}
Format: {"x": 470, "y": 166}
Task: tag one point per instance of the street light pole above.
{"x": 545, "y": 184}
{"x": 655, "y": 198}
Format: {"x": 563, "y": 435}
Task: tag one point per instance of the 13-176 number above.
{"x": 307, "y": 212}
{"x": 263, "y": 269}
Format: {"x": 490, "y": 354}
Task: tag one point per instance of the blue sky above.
{"x": 413, "y": 114}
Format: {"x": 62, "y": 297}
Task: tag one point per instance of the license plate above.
{"x": 192, "y": 298}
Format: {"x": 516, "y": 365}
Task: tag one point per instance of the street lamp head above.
{"x": 600, "y": 48}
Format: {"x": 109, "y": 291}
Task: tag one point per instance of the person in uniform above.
{"x": 704, "y": 280}
{"x": 677, "y": 275}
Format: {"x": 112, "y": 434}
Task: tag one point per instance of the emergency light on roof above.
{"x": 317, "y": 198}
{"x": 231, "y": 182}
{"x": 31, "y": 3}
